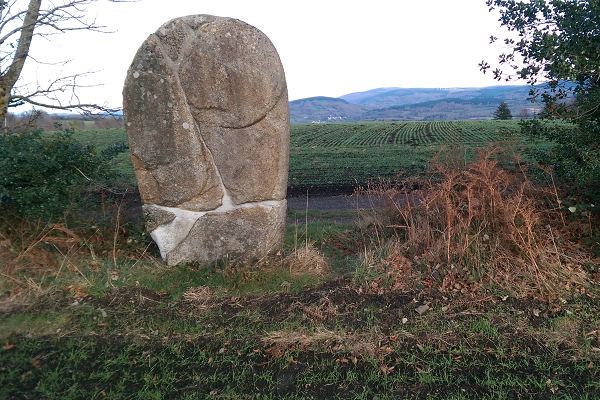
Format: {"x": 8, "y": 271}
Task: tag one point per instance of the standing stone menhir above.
{"x": 207, "y": 118}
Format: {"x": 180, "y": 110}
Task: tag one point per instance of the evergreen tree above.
{"x": 502, "y": 112}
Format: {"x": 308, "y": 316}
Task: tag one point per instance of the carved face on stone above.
{"x": 207, "y": 118}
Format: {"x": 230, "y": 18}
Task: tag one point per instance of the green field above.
{"x": 357, "y": 152}
{"x": 436, "y": 300}
{"x": 352, "y": 153}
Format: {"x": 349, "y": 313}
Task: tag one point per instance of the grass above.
{"x": 352, "y": 153}
{"x": 359, "y": 304}
{"x": 281, "y": 347}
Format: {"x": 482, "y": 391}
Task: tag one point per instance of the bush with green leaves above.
{"x": 558, "y": 52}
{"x": 43, "y": 176}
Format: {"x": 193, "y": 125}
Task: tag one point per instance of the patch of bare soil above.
{"x": 134, "y": 296}
{"x": 320, "y": 197}
{"x": 337, "y": 306}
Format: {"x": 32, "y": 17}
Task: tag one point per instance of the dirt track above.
{"x": 317, "y": 200}
{"x": 327, "y": 203}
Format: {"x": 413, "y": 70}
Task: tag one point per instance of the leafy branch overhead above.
{"x": 19, "y": 24}
{"x": 558, "y": 40}
{"x": 558, "y": 51}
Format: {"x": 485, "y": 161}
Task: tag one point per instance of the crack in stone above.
{"x": 196, "y": 109}
{"x": 189, "y": 38}
{"x": 226, "y": 199}
{"x": 188, "y": 41}
{"x": 261, "y": 118}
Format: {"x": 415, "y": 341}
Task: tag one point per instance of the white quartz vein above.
{"x": 168, "y": 236}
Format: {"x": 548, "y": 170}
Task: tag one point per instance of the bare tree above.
{"x": 20, "y": 22}
{"x": 525, "y": 113}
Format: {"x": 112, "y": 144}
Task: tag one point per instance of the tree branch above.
{"x": 14, "y": 71}
{"x": 84, "y": 108}
{"x": 68, "y": 15}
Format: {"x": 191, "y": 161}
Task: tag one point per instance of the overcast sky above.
{"x": 327, "y": 47}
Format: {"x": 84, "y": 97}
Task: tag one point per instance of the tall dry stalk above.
{"x": 486, "y": 225}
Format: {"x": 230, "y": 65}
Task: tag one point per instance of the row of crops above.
{"x": 377, "y": 134}
{"x": 354, "y": 153}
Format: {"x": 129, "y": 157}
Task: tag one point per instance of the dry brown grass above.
{"x": 320, "y": 312}
{"x": 480, "y": 226}
{"x": 358, "y": 345}
{"x": 33, "y": 253}
{"x": 199, "y": 294}
{"x": 33, "y": 250}
{"x": 307, "y": 259}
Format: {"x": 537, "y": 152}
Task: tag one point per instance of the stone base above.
{"x": 244, "y": 232}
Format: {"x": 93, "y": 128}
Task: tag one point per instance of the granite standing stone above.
{"x": 207, "y": 118}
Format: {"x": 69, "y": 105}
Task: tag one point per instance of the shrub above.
{"x": 42, "y": 176}
{"x": 558, "y": 48}
{"x": 480, "y": 226}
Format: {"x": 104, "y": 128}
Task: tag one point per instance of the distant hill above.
{"x": 359, "y": 97}
{"x": 399, "y": 96}
{"x": 444, "y": 109}
{"x": 388, "y": 104}
{"x": 324, "y": 109}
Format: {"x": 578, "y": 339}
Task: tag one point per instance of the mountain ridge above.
{"x": 394, "y": 104}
